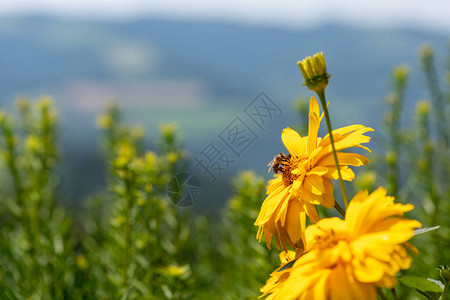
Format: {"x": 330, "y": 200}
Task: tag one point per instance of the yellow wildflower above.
{"x": 33, "y": 144}
{"x": 176, "y": 271}
{"x": 348, "y": 259}
{"x": 126, "y": 152}
{"x": 45, "y": 102}
{"x": 172, "y": 157}
{"x": 81, "y": 261}
{"x": 168, "y": 130}
{"x": 305, "y": 179}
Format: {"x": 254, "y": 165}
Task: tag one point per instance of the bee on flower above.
{"x": 304, "y": 179}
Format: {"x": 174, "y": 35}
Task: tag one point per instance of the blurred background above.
{"x": 199, "y": 64}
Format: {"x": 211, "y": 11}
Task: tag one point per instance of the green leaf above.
{"x": 430, "y": 295}
{"x": 287, "y": 266}
{"x": 422, "y": 284}
{"x": 424, "y": 230}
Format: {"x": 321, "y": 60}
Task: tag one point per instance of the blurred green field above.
{"x": 130, "y": 240}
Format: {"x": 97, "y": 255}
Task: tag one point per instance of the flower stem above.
{"x": 394, "y": 294}
{"x": 339, "y": 209}
{"x": 127, "y": 252}
{"x": 444, "y": 292}
{"x": 381, "y": 294}
{"x": 321, "y": 95}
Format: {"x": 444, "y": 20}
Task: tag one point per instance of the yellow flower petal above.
{"x": 293, "y": 142}
{"x": 270, "y": 204}
{"x": 349, "y": 159}
{"x": 314, "y": 123}
{"x": 314, "y": 183}
{"x": 311, "y": 212}
{"x": 320, "y": 171}
{"x": 346, "y": 173}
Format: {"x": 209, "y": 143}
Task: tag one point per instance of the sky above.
{"x": 429, "y": 14}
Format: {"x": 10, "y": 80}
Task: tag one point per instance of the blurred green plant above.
{"x": 132, "y": 241}
{"x": 418, "y": 163}
{"x": 36, "y": 243}
{"x": 140, "y": 242}
{"x": 246, "y": 262}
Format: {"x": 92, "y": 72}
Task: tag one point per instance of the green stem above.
{"x": 437, "y": 97}
{"x": 339, "y": 209}
{"x": 321, "y": 95}
{"x": 381, "y": 294}
{"x": 394, "y": 294}
{"x": 128, "y": 207}
{"x": 444, "y": 292}
{"x": 12, "y": 162}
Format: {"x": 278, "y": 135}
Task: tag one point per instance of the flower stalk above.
{"x": 394, "y": 294}
{"x": 381, "y": 294}
{"x": 339, "y": 208}
{"x": 444, "y": 293}
{"x": 444, "y": 271}
{"x": 432, "y": 78}
{"x": 321, "y": 95}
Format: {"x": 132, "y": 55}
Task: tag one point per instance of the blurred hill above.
{"x": 198, "y": 74}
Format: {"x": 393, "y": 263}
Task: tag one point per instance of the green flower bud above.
{"x": 426, "y": 51}
{"x": 400, "y": 74}
{"x": 314, "y": 71}
{"x": 23, "y": 104}
{"x": 168, "y": 130}
{"x": 391, "y": 157}
{"x": 444, "y": 271}
{"x": 45, "y": 103}
{"x": 104, "y": 121}
{"x": 423, "y": 107}
{"x": 367, "y": 180}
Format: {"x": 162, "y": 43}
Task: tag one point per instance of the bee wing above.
{"x": 270, "y": 165}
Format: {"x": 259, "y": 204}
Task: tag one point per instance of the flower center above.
{"x": 293, "y": 163}
{"x": 326, "y": 239}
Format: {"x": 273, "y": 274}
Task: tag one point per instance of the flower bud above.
{"x": 426, "y": 51}
{"x": 45, "y": 103}
{"x": 444, "y": 271}
{"x": 423, "y": 108}
{"x": 314, "y": 70}
{"x": 104, "y": 121}
{"x": 400, "y": 74}
{"x": 367, "y": 180}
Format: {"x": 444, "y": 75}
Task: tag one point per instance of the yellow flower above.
{"x": 305, "y": 179}
{"x": 125, "y": 154}
{"x": 278, "y": 277}
{"x": 33, "y": 144}
{"x": 81, "y": 261}
{"x": 175, "y": 271}
{"x": 347, "y": 259}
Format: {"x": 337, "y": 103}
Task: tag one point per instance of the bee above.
{"x": 278, "y": 162}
